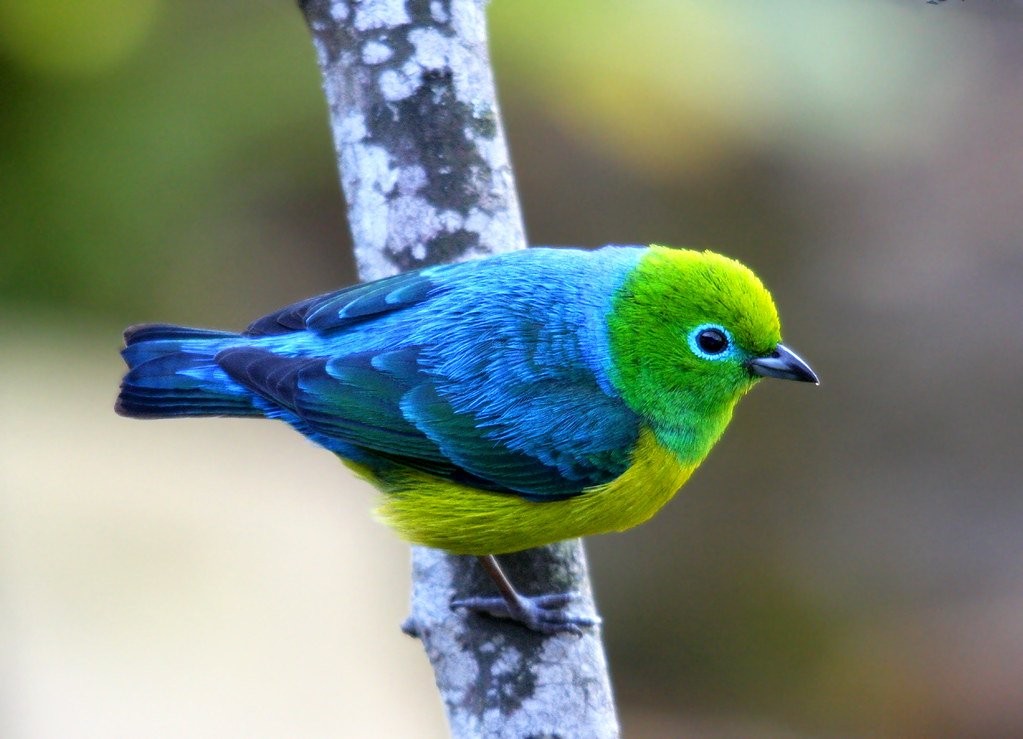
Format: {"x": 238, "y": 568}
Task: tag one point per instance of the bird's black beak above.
{"x": 783, "y": 364}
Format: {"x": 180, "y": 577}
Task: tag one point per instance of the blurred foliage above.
{"x": 845, "y": 560}
{"x": 76, "y": 39}
{"x": 681, "y": 88}
{"x": 146, "y": 151}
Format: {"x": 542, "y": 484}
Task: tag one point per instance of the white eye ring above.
{"x": 711, "y": 341}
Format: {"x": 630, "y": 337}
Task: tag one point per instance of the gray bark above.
{"x": 425, "y": 170}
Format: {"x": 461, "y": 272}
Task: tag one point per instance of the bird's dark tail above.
{"x": 172, "y": 371}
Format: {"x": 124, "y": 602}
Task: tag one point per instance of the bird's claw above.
{"x": 542, "y": 613}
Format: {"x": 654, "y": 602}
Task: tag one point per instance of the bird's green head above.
{"x": 690, "y": 333}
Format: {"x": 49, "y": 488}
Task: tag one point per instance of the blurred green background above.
{"x": 848, "y": 562}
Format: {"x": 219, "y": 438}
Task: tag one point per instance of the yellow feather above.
{"x": 429, "y": 510}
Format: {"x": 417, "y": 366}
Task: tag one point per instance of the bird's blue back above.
{"x": 494, "y": 373}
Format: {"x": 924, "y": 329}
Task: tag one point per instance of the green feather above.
{"x": 687, "y": 400}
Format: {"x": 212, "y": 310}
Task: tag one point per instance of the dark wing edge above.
{"x": 342, "y": 308}
{"x": 381, "y": 409}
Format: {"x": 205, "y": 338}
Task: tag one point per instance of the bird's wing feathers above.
{"x": 507, "y": 401}
{"x": 526, "y": 465}
{"x": 341, "y": 308}
{"x": 350, "y": 402}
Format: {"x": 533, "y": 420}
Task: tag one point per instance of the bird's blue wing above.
{"x": 342, "y": 308}
{"x": 484, "y": 376}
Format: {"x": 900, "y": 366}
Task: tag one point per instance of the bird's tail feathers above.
{"x": 172, "y": 372}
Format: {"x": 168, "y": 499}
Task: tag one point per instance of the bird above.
{"x": 498, "y": 404}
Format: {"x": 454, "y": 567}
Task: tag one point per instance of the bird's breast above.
{"x": 438, "y": 513}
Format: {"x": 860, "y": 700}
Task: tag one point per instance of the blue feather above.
{"x": 494, "y": 373}
{"x": 172, "y": 372}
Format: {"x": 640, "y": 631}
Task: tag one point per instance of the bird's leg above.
{"x": 542, "y": 613}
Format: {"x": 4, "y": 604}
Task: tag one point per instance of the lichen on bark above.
{"x": 422, "y": 155}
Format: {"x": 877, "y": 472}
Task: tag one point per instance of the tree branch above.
{"x": 425, "y": 170}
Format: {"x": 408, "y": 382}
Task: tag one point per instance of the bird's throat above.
{"x": 693, "y": 436}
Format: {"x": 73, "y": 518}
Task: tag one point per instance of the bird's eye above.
{"x": 710, "y": 342}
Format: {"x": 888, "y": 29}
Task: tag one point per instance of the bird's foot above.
{"x": 542, "y": 613}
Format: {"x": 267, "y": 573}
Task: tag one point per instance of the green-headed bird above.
{"x": 498, "y": 404}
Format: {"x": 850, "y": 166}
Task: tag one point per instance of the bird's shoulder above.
{"x": 532, "y": 275}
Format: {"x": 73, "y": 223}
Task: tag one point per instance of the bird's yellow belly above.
{"x": 429, "y": 510}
